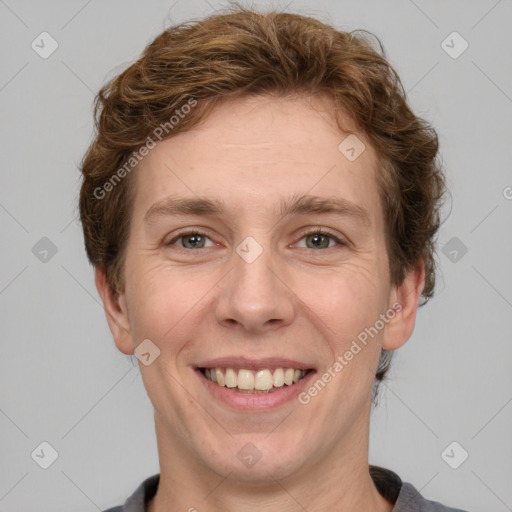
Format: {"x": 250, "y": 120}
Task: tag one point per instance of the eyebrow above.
{"x": 294, "y": 205}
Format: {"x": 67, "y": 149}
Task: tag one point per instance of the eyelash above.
{"x": 318, "y": 231}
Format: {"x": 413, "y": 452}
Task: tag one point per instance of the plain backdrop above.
{"x": 63, "y": 382}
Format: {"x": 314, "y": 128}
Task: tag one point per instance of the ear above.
{"x": 117, "y": 313}
{"x": 405, "y": 298}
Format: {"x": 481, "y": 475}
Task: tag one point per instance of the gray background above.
{"x": 62, "y": 379}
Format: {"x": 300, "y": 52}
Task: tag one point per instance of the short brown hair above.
{"x": 239, "y": 53}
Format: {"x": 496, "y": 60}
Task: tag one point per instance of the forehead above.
{"x": 252, "y": 153}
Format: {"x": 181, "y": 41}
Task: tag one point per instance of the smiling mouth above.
{"x": 254, "y": 381}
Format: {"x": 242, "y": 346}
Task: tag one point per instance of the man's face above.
{"x": 252, "y": 287}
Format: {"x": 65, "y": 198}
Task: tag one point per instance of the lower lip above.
{"x": 255, "y": 401}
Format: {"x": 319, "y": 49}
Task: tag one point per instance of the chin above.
{"x": 256, "y": 460}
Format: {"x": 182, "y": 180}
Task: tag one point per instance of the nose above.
{"x": 256, "y": 295}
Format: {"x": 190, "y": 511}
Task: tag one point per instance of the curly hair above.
{"x": 239, "y": 53}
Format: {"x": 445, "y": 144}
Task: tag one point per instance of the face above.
{"x": 257, "y": 254}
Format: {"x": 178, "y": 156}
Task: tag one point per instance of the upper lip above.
{"x": 254, "y": 364}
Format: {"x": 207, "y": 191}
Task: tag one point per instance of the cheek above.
{"x": 158, "y": 299}
{"x": 352, "y": 300}
{"x": 347, "y": 299}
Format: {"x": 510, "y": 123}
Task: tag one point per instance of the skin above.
{"x": 295, "y": 300}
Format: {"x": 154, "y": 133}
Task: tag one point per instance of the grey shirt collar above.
{"x": 408, "y": 499}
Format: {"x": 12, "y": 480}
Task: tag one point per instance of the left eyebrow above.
{"x": 304, "y": 204}
{"x": 294, "y": 205}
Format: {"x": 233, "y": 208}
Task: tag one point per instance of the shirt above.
{"x": 403, "y": 495}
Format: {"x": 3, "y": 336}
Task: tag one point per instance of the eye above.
{"x": 320, "y": 239}
{"x": 191, "y": 240}
{"x": 196, "y": 239}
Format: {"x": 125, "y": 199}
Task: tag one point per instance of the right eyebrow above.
{"x": 184, "y": 206}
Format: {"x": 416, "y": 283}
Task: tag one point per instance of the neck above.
{"x": 337, "y": 482}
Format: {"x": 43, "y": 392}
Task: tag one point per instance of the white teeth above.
{"x": 263, "y": 380}
{"x": 248, "y": 380}
{"x": 278, "y": 377}
{"x": 231, "y": 378}
{"x": 220, "y": 377}
{"x": 245, "y": 379}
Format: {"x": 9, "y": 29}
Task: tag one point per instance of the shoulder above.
{"x": 137, "y": 501}
{"x": 410, "y": 500}
{"x": 403, "y": 494}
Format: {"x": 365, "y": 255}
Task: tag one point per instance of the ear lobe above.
{"x": 117, "y": 313}
{"x": 407, "y": 296}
